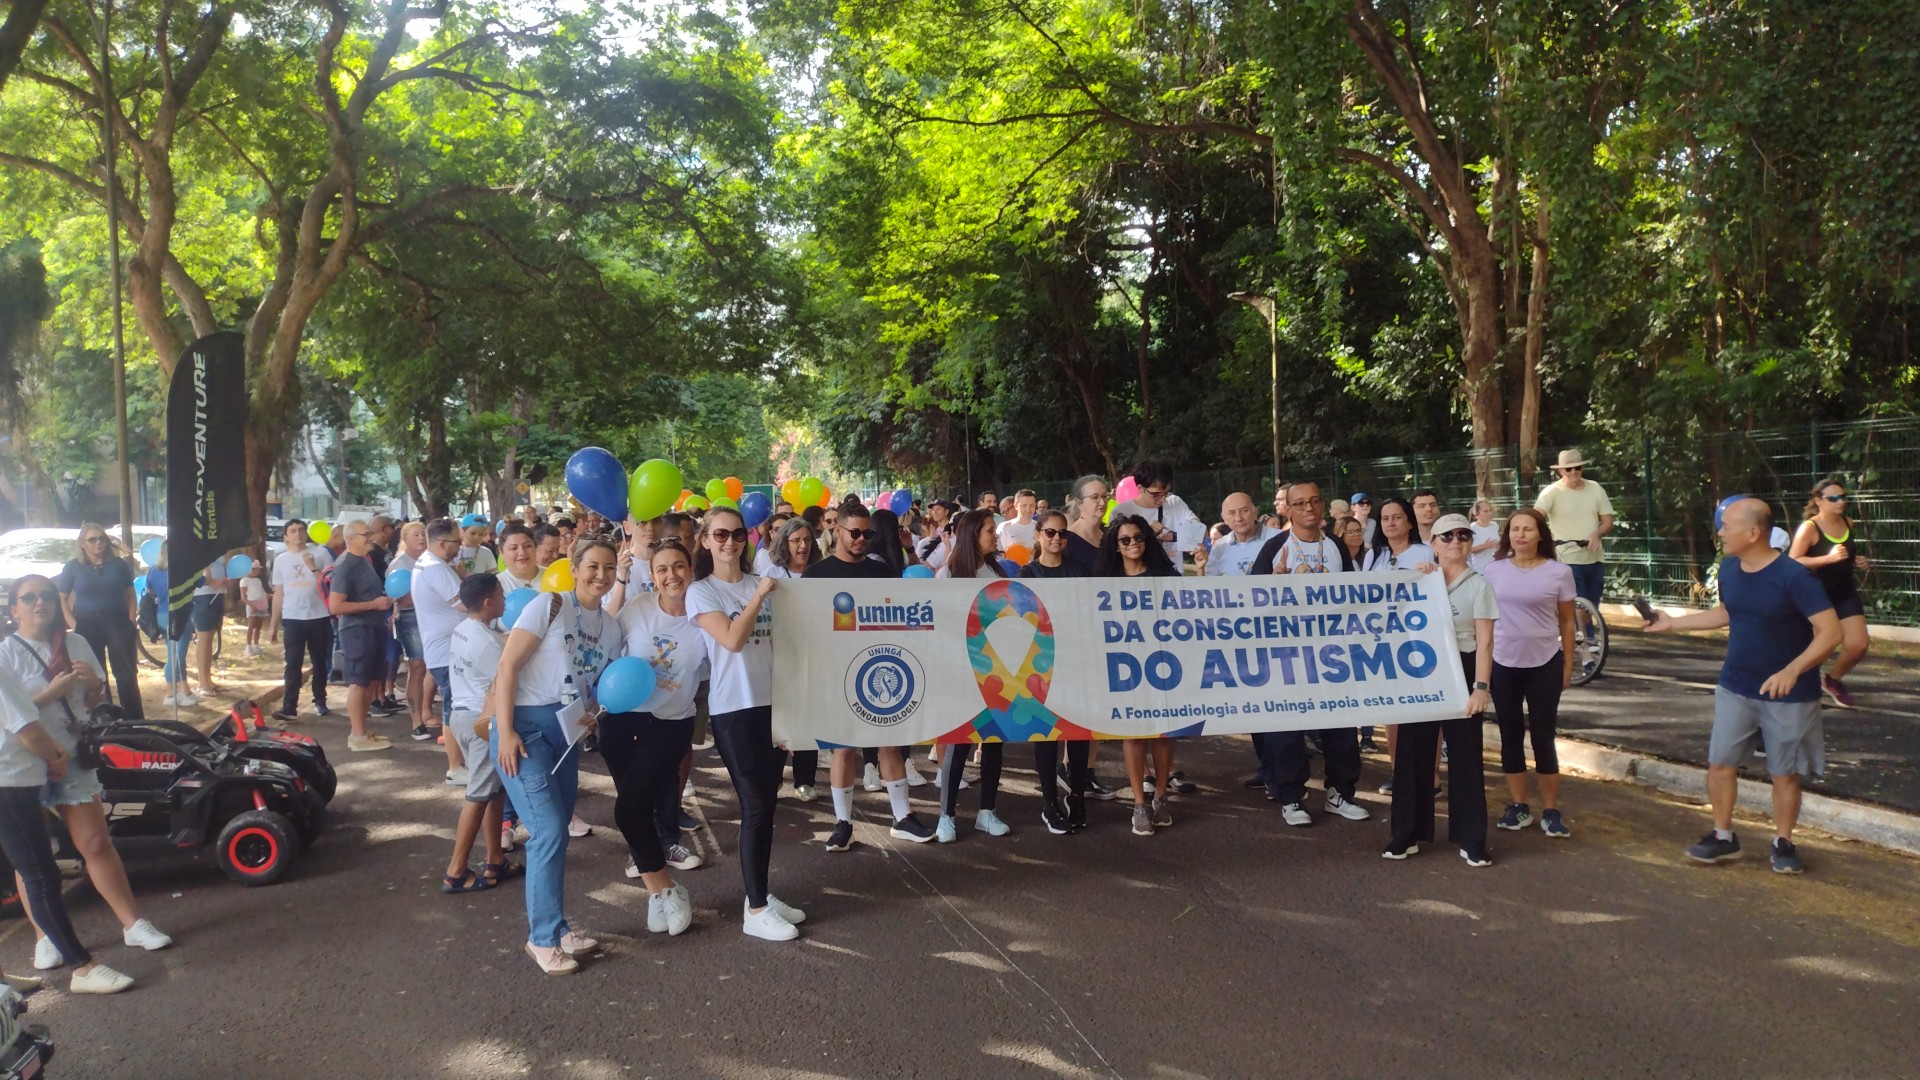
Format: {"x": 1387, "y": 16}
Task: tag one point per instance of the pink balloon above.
{"x": 1126, "y": 490}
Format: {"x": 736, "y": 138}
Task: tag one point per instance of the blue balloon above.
{"x": 239, "y": 566}
{"x": 1010, "y": 568}
{"x": 399, "y": 582}
{"x": 140, "y": 587}
{"x": 755, "y": 509}
{"x": 1720, "y": 511}
{"x": 916, "y": 571}
{"x": 517, "y": 601}
{"x": 626, "y": 685}
{"x": 902, "y": 502}
{"x": 150, "y": 551}
{"x": 595, "y": 477}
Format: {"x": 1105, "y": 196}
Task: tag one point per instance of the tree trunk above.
{"x": 437, "y": 496}
{"x": 1536, "y": 345}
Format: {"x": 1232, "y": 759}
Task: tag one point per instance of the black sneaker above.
{"x": 1054, "y": 820}
{"x": 392, "y": 702}
{"x": 285, "y": 717}
{"x": 1476, "y": 858}
{"x": 1076, "y": 812}
{"x": 589, "y": 744}
{"x": 1180, "y": 785}
{"x": 1098, "y": 790}
{"x": 420, "y": 733}
{"x": 909, "y": 828}
{"x": 1368, "y": 746}
{"x": 1786, "y": 860}
{"x": 1398, "y": 852}
{"x": 1254, "y": 782}
{"x": 842, "y": 837}
{"x": 1517, "y": 817}
{"x": 322, "y": 710}
{"x": 1712, "y": 849}
{"x": 1147, "y": 785}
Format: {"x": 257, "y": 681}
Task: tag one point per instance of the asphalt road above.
{"x": 1655, "y": 696}
{"x": 1226, "y": 946}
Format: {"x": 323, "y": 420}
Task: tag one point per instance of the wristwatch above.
{"x": 1481, "y": 686}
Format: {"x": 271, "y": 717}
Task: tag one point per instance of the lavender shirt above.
{"x": 1528, "y": 633}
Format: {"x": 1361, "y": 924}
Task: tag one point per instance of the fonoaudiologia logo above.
{"x": 885, "y": 685}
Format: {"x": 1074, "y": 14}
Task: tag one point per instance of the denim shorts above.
{"x": 80, "y": 787}
{"x": 207, "y": 610}
{"x": 406, "y": 627}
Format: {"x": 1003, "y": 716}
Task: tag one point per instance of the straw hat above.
{"x": 1571, "y": 459}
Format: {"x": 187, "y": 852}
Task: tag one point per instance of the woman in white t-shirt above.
{"x": 1396, "y": 546}
{"x": 64, "y": 676}
{"x": 643, "y": 749}
{"x": 730, "y": 606}
{"x": 518, "y": 568}
{"x": 548, "y": 674}
{"x": 1486, "y": 535}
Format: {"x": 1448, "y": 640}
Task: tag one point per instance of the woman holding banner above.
{"x": 1129, "y": 550}
{"x": 1052, "y": 532}
{"x": 1474, "y": 614}
{"x": 730, "y": 605}
{"x": 1396, "y": 546}
{"x": 548, "y": 673}
{"x": 975, "y": 555}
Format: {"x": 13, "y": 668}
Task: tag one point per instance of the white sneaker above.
{"x": 506, "y": 837}
{"x": 1295, "y": 814}
{"x": 577, "y": 828}
{"x": 871, "y": 778}
{"x": 989, "y": 822}
{"x": 948, "y": 830}
{"x": 46, "y": 956}
{"x": 574, "y": 943}
{"x": 680, "y": 858}
{"x": 101, "y": 980}
{"x": 914, "y": 779}
{"x": 670, "y": 912}
{"x": 686, "y": 789}
{"x": 458, "y": 777}
{"x": 787, "y": 911}
{"x": 1341, "y": 807}
{"x": 805, "y": 793}
{"x": 768, "y": 925}
{"x": 633, "y": 871}
{"x": 145, "y": 935}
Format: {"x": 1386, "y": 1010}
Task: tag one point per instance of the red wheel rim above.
{"x": 253, "y": 851}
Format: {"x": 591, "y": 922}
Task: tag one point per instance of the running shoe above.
{"x": 1076, "y": 812}
{"x": 1054, "y": 820}
{"x": 1296, "y": 815}
{"x": 842, "y": 836}
{"x": 871, "y": 778}
{"x": 1551, "y": 824}
{"x": 1518, "y": 816}
{"x": 989, "y": 822}
{"x": 1476, "y": 858}
{"x": 914, "y": 779}
{"x": 1785, "y": 858}
{"x": 1142, "y": 821}
{"x": 805, "y": 793}
{"x": 1838, "y": 691}
{"x": 911, "y": 829}
{"x": 1180, "y": 785}
{"x": 420, "y": 733}
{"x": 1399, "y": 852}
{"x": 1338, "y": 806}
{"x": 948, "y": 830}
{"x": 1162, "y": 817}
{"x": 1712, "y": 849}
{"x": 1098, "y": 790}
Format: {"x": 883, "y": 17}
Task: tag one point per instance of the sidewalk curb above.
{"x": 1877, "y": 825}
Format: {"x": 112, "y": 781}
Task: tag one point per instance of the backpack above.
{"x": 149, "y": 616}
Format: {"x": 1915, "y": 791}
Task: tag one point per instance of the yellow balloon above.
{"x": 557, "y": 577}
{"x": 320, "y": 532}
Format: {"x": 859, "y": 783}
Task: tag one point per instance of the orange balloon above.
{"x": 826, "y": 495}
{"x": 735, "y": 488}
{"x": 682, "y": 500}
{"x": 1020, "y": 553}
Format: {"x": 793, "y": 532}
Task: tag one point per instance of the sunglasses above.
{"x": 1053, "y": 534}
{"x": 722, "y": 536}
{"x": 859, "y": 534}
{"x": 1575, "y": 468}
{"x": 1458, "y": 536}
{"x": 1834, "y": 498}
{"x": 1131, "y": 539}
{"x": 1363, "y": 502}
{"x": 38, "y": 598}
{"x": 93, "y": 539}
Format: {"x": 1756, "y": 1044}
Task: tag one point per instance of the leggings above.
{"x": 1539, "y": 689}
{"x": 745, "y": 741}
{"x": 956, "y": 765}
{"x": 643, "y": 754}
{"x": 23, "y": 836}
{"x": 1046, "y": 763}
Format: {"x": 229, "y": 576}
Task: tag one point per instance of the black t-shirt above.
{"x": 834, "y": 566}
{"x": 97, "y": 590}
{"x": 356, "y": 581}
{"x": 1080, "y": 553}
{"x": 1064, "y": 570}
{"x": 381, "y": 559}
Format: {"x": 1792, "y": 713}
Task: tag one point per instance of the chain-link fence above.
{"x": 1663, "y": 491}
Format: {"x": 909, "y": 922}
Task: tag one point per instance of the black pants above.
{"x": 1538, "y": 688}
{"x": 806, "y": 767}
{"x": 1287, "y": 751}
{"x": 745, "y": 742}
{"x": 1046, "y": 762}
{"x": 313, "y": 639}
{"x": 991, "y": 756}
{"x": 643, "y": 754}
{"x": 114, "y": 638}
{"x": 23, "y": 836}
{"x": 1412, "y": 815}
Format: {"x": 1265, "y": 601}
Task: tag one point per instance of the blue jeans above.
{"x": 176, "y": 667}
{"x": 1587, "y": 580}
{"x": 544, "y": 799}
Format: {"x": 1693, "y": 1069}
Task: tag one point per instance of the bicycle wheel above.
{"x": 1589, "y": 642}
{"x": 155, "y": 652}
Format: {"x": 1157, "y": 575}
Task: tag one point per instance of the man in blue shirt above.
{"x": 1780, "y": 628}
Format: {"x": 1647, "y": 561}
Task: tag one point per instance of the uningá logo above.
{"x": 843, "y": 616}
{"x": 885, "y": 685}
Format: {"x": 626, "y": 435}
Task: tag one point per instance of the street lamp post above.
{"x": 1269, "y": 309}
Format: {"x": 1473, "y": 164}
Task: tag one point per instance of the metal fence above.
{"x": 1663, "y": 489}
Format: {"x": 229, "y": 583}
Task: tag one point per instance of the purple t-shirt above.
{"x": 1528, "y": 633}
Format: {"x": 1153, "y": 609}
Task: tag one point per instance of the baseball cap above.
{"x": 473, "y": 519}
{"x": 1451, "y": 523}
{"x": 1358, "y": 497}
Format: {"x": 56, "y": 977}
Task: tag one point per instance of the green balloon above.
{"x": 716, "y": 490}
{"x": 694, "y": 502}
{"x": 728, "y": 503}
{"x": 654, "y": 487}
{"x": 811, "y": 489}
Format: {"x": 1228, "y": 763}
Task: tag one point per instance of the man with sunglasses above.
{"x": 854, "y": 538}
{"x": 1578, "y": 515}
{"x": 1176, "y": 526}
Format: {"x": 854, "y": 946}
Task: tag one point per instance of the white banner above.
{"x": 889, "y": 663}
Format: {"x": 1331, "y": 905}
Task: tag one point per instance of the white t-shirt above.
{"x": 1323, "y": 555}
{"x": 508, "y": 582}
{"x": 1172, "y": 514}
{"x": 252, "y": 589}
{"x": 22, "y": 659}
{"x": 436, "y": 602}
{"x": 1482, "y": 534}
{"x": 1231, "y": 557}
{"x": 473, "y": 658}
{"x": 779, "y": 573}
{"x": 478, "y": 560}
{"x": 1471, "y": 597}
{"x": 762, "y": 562}
{"x": 575, "y": 644}
{"x": 1383, "y": 558}
{"x": 744, "y": 679}
{"x": 19, "y": 766}
{"x": 1013, "y": 532}
{"x": 299, "y": 584}
{"x": 674, "y": 647}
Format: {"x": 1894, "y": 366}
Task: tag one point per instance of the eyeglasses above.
{"x": 1158, "y": 493}
{"x": 38, "y": 597}
{"x": 1303, "y": 504}
{"x": 1053, "y": 534}
{"x": 1363, "y": 502}
{"x": 1835, "y": 498}
{"x": 1130, "y": 540}
{"x": 93, "y": 539}
{"x": 723, "y": 536}
{"x": 858, "y": 534}
{"x": 1458, "y": 536}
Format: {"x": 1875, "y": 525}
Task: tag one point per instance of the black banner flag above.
{"x": 206, "y": 463}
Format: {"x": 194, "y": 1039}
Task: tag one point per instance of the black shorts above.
{"x": 207, "y": 610}
{"x": 1848, "y": 605}
{"x": 364, "y": 649}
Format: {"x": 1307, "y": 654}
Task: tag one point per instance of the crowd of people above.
{"x": 507, "y": 680}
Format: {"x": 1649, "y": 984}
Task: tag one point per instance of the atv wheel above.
{"x": 257, "y": 847}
